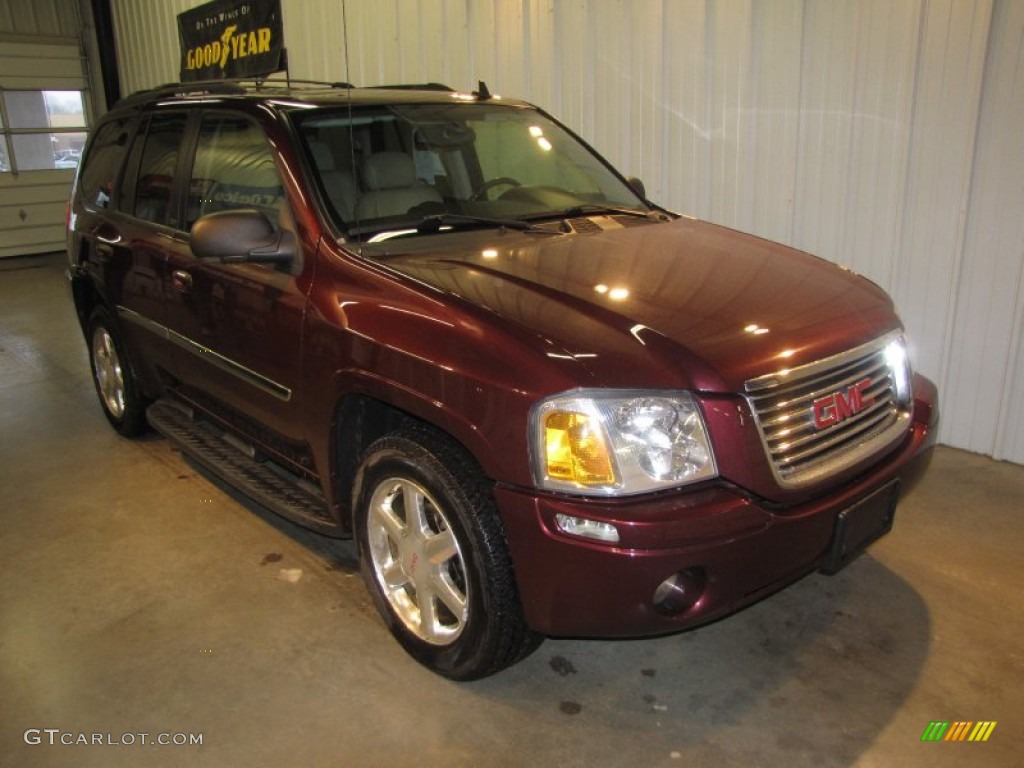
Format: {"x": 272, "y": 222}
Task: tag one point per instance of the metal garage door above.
{"x": 43, "y": 120}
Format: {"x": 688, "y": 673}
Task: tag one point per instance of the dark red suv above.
{"x": 440, "y": 323}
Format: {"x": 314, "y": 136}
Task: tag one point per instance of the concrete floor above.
{"x": 139, "y": 597}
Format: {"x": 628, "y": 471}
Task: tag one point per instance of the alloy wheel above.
{"x": 417, "y": 561}
{"x": 108, "y": 373}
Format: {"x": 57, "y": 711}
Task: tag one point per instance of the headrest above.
{"x": 389, "y": 170}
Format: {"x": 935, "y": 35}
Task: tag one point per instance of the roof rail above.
{"x": 228, "y": 86}
{"x": 198, "y": 88}
{"x": 412, "y": 87}
{"x": 340, "y": 84}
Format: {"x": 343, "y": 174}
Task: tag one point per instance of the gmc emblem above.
{"x": 839, "y": 406}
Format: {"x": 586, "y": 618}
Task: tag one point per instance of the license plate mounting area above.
{"x": 861, "y": 524}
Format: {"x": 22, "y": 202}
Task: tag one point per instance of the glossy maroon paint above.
{"x": 747, "y": 548}
{"x": 467, "y": 331}
{"x": 471, "y": 341}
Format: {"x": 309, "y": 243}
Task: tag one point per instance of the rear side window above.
{"x": 155, "y": 181}
{"x": 233, "y": 168}
{"x": 99, "y": 174}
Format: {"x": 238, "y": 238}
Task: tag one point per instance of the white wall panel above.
{"x": 951, "y": 61}
{"x": 886, "y": 48}
{"x": 147, "y": 41}
{"x": 985, "y": 381}
{"x": 773, "y": 138}
{"x": 881, "y": 135}
{"x": 40, "y": 18}
{"x": 682, "y": 179}
{"x": 569, "y": 68}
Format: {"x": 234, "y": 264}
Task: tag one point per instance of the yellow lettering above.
{"x": 230, "y": 46}
{"x": 224, "y": 38}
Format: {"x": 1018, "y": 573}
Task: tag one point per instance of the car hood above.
{"x": 681, "y": 303}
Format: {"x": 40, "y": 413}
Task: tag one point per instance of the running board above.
{"x": 239, "y": 465}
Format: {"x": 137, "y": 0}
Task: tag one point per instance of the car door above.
{"x": 237, "y": 327}
{"x": 128, "y": 228}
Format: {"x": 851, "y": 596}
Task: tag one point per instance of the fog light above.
{"x": 588, "y": 529}
{"x": 680, "y": 591}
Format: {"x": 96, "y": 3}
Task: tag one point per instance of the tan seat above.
{"x": 338, "y": 183}
{"x": 392, "y": 187}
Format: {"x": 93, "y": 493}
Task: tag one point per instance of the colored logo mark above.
{"x": 961, "y": 730}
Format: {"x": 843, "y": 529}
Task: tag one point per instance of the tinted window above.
{"x": 233, "y": 168}
{"x": 156, "y": 171}
{"x": 103, "y": 163}
{"x": 538, "y": 153}
{"x": 385, "y": 169}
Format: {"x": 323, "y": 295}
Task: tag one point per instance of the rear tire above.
{"x": 433, "y": 554}
{"x": 112, "y": 376}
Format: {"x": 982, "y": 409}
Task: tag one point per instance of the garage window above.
{"x": 42, "y": 130}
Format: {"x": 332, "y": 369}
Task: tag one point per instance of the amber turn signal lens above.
{"x": 575, "y": 449}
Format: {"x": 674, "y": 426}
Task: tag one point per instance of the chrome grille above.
{"x": 820, "y": 418}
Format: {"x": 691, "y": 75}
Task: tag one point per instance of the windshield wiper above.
{"x": 584, "y": 209}
{"x": 435, "y": 221}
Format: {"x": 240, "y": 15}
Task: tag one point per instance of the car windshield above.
{"x": 387, "y": 171}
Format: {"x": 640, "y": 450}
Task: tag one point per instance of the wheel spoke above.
{"x": 414, "y": 502}
{"x": 390, "y": 523}
{"x": 450, "y": 595}
{"x": 393, "y": 575}
{"x": 440, "y": 547}
{"x": 429, "y": 624}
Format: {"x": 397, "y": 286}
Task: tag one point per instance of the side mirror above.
{"x": 638, "y": 186}
{"x": 241, "y": 235}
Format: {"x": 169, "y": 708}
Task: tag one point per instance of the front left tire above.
{"x": 433, "y": 555}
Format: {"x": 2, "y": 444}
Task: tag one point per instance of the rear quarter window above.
{"x": 101, "y": 169}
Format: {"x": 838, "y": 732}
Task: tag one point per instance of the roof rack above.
{"x": 288, "y": 82}
{"x": 411, "y": 87}
{"x": 198, "y": 88}
{"x": 229, "y": 87}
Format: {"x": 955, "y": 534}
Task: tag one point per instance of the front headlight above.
{"x": 619, "y": 442}
{"x": 899, "y": 368}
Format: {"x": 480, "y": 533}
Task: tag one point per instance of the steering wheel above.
{"x": 481, "y": 193}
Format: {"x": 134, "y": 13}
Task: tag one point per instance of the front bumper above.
{"x": 741, "y": 548}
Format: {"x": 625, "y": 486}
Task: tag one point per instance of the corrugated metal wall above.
{"x": 881, "y": 135}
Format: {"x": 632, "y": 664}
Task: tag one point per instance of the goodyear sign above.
{"x": 231, "y": 38}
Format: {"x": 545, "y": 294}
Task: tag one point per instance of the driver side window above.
{"x": 233, "y": 168}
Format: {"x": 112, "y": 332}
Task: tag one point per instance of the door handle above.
{"x": 181, "y": 281}
{"x": 106, "y": 239}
